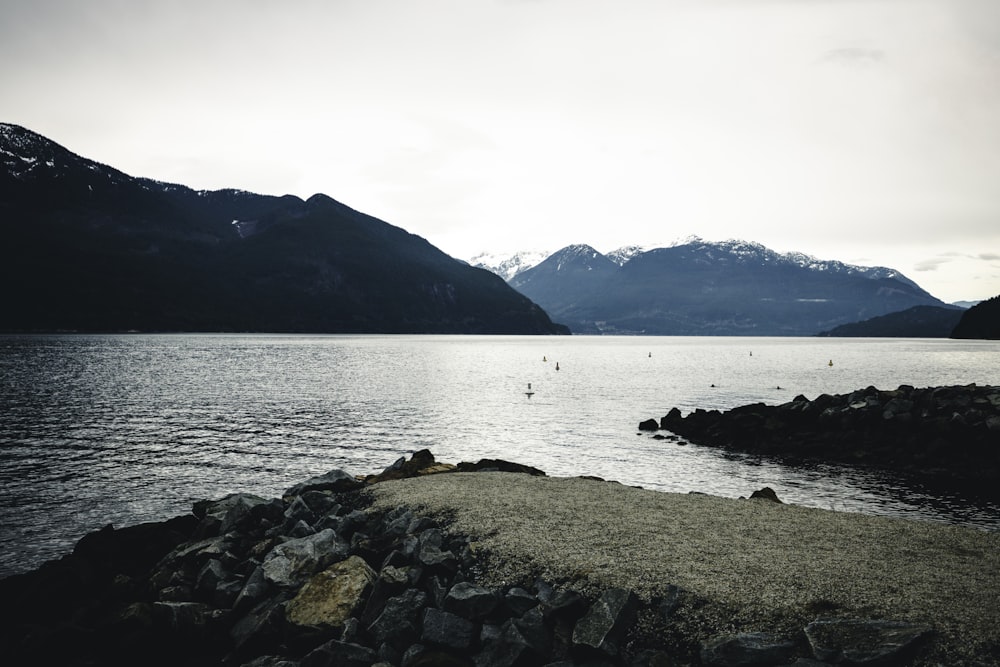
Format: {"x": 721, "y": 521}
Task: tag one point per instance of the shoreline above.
{"x": 688, "y": 578}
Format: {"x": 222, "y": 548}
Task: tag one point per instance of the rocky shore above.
{"x": 494, "y": 563}
{"x": 941, "y": 435}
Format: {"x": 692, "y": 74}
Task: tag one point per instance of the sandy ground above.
{"x": 761, "y": 562}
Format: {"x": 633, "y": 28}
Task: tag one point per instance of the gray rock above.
{"x": 442, "y": 628}
{"x": 519, "y": 601}
{"x": 561, "y": 604}
{"x": 298, "y": 529}
{"x": 335, "y": 480}
{"x": 604, "y": 624}
{"x": 398, "y": 623}
{"x": 227, "y": 511}
{"x": 253, "y": 591}
{"x": 531, "y": 631}
{"x": 259, "y": 627}
{"x": 433, "y": 556}
{"x": 298, "y": 510}
{"x": 291, "y": 563}
{"x": 210, "y": 576}
{"x": 240, "y": 508}
{"x": 863, "y": 642}
{"x": 391, "y": 581}
{"x": 470, "y": 601}
{"x": 747, "y": 649}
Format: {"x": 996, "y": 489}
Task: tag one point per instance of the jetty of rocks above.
{"x": 493, "y": 563}
{"x": 946, "y": 435}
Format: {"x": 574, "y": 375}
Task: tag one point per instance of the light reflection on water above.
{"x": 123, "y": 429}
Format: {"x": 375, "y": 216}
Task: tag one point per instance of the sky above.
{"x": 866, "y": 131}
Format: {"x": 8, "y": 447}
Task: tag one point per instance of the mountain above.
{"x": 916, "y": 322}
{"x": 89, "y": 248}
{"x": 508, "y": 265}
{"x": 980, "y": 321}
{"x": 702, "y": 288}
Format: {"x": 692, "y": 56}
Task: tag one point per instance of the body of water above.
{"x": 129, "y": 428}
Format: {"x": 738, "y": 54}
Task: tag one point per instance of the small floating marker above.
{"x": 751, "y": 353}
{"x": 529, "y": 393}
{"x": 544, "y": 358}
{"x": 650, "y": 355}
{"x": 830, "y": 363}
{"x": 557, "y": 365}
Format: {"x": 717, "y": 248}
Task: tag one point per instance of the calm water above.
{"x": 131, "y": 428}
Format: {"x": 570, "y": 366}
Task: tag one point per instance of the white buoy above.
{"x": 529, "y": 393}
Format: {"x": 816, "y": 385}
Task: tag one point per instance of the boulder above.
{"x": 767, "y": 493}
{"x": 331, "y": 597}
{"x": 442, "y": 628}
{"x": 470, "y": 601}
{"x": 291, "y": 563}
{"x": 863, "y": 642}
{"x": 420, "y": 463}
{"x": 649, "y": 425}
{"x": 519, "y": 601}
{"x": 605, "y": 623}
{"x": 398, "y": 624}
{"x": 336, "y": 481}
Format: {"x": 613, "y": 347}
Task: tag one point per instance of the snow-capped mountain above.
{"x": 697, "y": 287}
{"x": 509, "y": 265}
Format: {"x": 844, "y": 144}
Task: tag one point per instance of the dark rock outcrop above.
{"x": 941, "y": 435}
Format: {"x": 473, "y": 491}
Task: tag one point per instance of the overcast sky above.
{"x": 861, "y": 130}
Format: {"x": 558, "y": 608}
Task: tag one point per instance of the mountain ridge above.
{"x": 696, "y": 287}
{"x": 94, "y": 249}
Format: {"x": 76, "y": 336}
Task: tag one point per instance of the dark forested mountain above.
{"x": 980, "y": 321}
{"x": 703, "y": 288}
{"x": 916, "y": 322}
{"x": 88, "y": 248}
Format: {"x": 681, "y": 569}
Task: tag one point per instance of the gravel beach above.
{"x": 754, "y": 564}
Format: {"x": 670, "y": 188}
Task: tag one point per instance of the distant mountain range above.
{"x": 697, "y": 287}
{"x": 89, "y": 248}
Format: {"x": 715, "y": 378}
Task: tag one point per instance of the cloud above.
{"x": 933, "y": 263}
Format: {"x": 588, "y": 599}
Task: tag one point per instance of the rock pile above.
{"x": 945, "y": 434}
{"x": 316, "y": 578}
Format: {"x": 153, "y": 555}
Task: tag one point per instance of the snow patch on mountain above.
{"x": 509, "y": 265}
